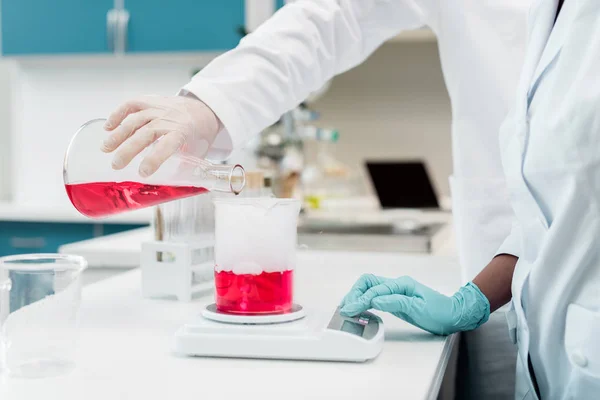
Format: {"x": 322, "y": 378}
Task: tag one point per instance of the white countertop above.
{"x": 56, "y": 213}
{"x": 125, "y": 344}
{"x": 119, "y": 250}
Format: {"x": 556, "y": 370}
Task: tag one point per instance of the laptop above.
{"x": 402, "y": 184}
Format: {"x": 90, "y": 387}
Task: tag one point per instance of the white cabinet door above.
{"x": 257, "y": 12}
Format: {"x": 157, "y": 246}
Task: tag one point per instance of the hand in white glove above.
{"x": 186, "y": 123}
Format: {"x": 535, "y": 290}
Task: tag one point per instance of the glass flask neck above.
{"x": 217, "y": 178}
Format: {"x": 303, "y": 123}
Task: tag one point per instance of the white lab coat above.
{"x": 550, "y": 146}
{"x": 481, "y": 44}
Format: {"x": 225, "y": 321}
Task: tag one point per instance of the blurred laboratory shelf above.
{"x": 124, "y": 349}
{"x": 432, "y": 235}
{"x": 380, "y": 216}
{"x": 423, "y": 35}
{"x": 122, "y": 250}
{"x": 60, "y": 213}
{"x": 385, "y": 237}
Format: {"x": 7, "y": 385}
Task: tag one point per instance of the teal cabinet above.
{"x": 183, "y": 25}
{"x": 53, "y": 26}
{"x": 95, "y": 26}
{"x": 46, "y": 237}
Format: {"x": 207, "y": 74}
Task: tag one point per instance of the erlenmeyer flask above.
{"x": 97, "y": 190}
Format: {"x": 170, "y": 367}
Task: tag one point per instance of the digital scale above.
{"x": 295, "y": 335}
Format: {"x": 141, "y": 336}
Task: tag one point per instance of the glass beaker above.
{"x": 98, "y": 190}
{"x": 40, "y": 295}
{"x": 255, "y": 254}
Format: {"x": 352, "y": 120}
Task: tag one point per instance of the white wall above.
{"x": 393, "y": 106}
{"x": 7, "y": 80}
{"x": 56, "y": 96}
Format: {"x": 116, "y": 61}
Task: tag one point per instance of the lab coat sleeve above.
{"x": 513, "y": 243}
{"x": 293, "y": 54}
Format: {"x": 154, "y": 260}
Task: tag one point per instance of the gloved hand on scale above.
{"x": 419, "y": 305}
{"x": 180, "y": 122}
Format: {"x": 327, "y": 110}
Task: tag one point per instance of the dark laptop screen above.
{"x": 402, "y": 184}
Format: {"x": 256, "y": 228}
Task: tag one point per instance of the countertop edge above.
{"x": 440, "y": 371}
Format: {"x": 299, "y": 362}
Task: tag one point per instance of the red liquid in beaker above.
{"x": 265, "y": 293}
{"x": 99, "y": 199}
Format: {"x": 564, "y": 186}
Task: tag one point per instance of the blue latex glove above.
{"x": 419, "y": 305}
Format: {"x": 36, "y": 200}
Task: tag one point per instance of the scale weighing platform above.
{"x": 290, "y": 336}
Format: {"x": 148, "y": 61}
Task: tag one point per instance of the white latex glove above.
{"x": 183, "y": 123}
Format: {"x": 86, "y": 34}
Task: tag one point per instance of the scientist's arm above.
{"x": 432, "y": 311}
{"x": 496, "y": 279}
{"x": 272, "y": 70}
{"x": 303, "y": 46}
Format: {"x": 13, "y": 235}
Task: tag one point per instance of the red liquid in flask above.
{"x": 265, "y": 293}
{"x": 99, "y": 199}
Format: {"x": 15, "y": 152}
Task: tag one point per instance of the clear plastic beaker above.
{"x": 40, "y": 295}
{"x": 98, "y": 190}
{"x": 255, "y": 254}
